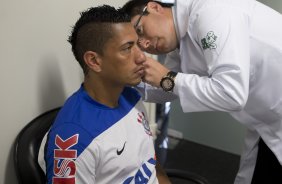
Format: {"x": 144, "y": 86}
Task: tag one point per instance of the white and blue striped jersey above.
{"x": 92, "y": 143}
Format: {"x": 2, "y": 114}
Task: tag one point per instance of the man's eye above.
{"x": 126, "y": 49}
{"x": 139, "y": 31}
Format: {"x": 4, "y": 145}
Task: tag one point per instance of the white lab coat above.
{"x": 230, "y": 59}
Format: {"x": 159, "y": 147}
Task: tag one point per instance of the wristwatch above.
{"x": 167, "y": 82}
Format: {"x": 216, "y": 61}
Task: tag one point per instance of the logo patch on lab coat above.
{"x": 209, "y": 41}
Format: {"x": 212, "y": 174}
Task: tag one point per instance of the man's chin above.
{"x": 135, "y": 83}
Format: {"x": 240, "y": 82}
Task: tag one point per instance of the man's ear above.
{"x": 92, "y": 60}
{"x": 154, "y": 7}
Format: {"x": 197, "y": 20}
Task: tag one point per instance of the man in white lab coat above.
{"x": 223, "y": 55}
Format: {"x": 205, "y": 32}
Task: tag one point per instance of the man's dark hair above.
{"x": 93, "y": 29}
{"x": 135, "y": 7}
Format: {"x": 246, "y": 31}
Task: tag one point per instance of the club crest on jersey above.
{"x": 209, "y": 41}
{"x": 142, "y": 119}
{"x": 64, "y": 160}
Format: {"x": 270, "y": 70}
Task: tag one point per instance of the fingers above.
{"x": 153, "y": 72}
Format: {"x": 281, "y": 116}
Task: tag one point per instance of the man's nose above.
{"x": 140, "y": 56}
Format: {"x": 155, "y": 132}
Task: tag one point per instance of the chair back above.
{"x": 27, "y": 147}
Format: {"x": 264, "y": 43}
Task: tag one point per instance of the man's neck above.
{"x": 103, "y": 93}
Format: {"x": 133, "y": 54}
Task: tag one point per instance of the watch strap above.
{"x": 171, "y": 74}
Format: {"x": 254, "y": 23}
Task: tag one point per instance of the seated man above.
{"x": 101, "y": 134}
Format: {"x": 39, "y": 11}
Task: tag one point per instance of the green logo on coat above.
{"x": 209, "y": 41}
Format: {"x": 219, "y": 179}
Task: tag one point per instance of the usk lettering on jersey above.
{"x": 64, "y": 160}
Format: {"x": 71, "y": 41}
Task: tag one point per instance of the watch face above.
{"x": 167, "y": 84}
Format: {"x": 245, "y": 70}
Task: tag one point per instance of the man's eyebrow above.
{"x": 128, "y": 43}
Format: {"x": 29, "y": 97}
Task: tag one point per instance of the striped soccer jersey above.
{"x": 92, "y": 143}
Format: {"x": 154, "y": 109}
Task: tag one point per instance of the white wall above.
{"x": 37, "y": 68}
{"x": 275, "y": 4}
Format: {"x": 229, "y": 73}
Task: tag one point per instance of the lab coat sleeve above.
{"x": 154, "y": 94}
{"x": 222, "y": 36}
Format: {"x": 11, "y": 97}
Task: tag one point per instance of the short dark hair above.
{"x": 135, "y": 7}
{"x": 93, "y": 29}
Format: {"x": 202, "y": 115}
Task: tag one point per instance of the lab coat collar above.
{"x": 181, "y": 12}
{"x": 175, "y": 22}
